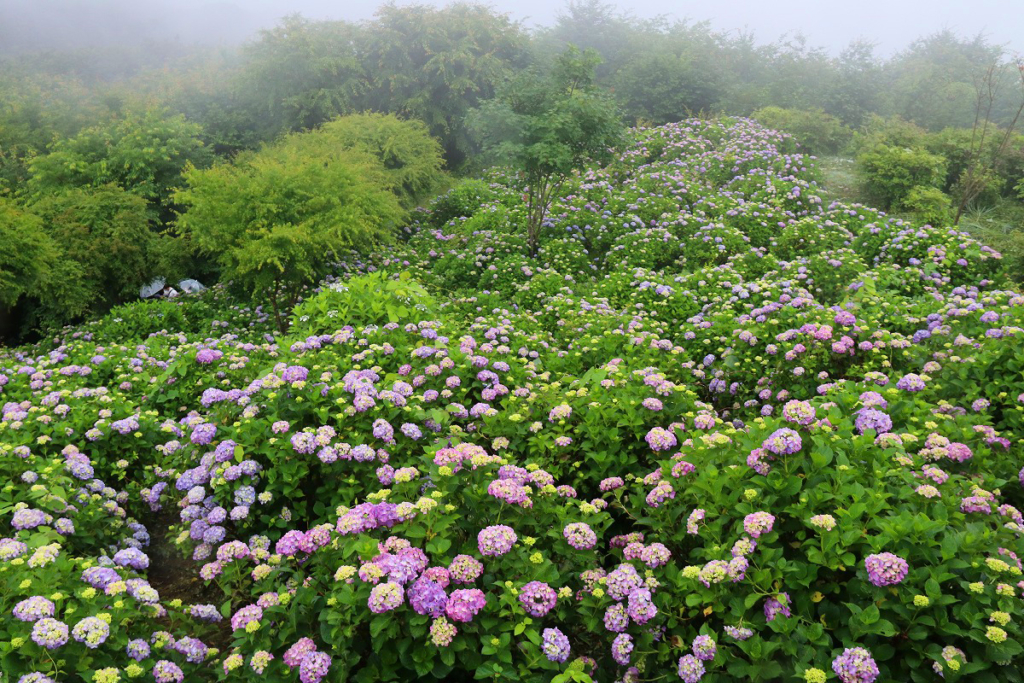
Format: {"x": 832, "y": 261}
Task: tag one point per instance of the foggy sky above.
{"x": 53, "y": 24}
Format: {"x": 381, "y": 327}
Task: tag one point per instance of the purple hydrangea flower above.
{"x": 855, "y": 665}
{"x": 428, "y": 597}
{"x": 783, "y": 442}
{"x": 580, "y": 535}
{"x": 50, "y": 633}
{"x": 556, "y": 645}
{"x": 886, "y": 569}
{"x": 386, "y": 597}
{"x": 537, "y": 598}
{"x": 496, "y": 540}
{"x": 690, "y": 669}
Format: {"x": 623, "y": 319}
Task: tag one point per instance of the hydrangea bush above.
{"x": 719, "y": 428}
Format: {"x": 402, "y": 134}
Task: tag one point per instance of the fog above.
{"x": 29, "y": 25}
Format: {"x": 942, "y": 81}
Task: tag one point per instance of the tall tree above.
{"x": 299, "y": 74}
{"x": 549, "y": 126}
{"x": 436, "y": 64}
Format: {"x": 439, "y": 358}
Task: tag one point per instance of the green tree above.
{"x": 664, "y": 87}
{"x": 143, "y": 152}
{"x": 548, "y": 127}
{"x": 593, "y": 24}
{"x": 34, "y": 110}
{"x": 275, "y": 219}
{"x": 298, "y": 75}
{"x": 27, "y": 253}
{"x": 436, "y": 64}
{"x": 932, "y": 81}
{"x": 108, "y": 251}
{"x": 410, "y": 157}
{"x": 855, "y": 91}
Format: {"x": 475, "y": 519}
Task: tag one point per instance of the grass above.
{"x": 839, "y": 179}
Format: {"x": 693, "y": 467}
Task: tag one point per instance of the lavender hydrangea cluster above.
{"x": 886, "y": 569}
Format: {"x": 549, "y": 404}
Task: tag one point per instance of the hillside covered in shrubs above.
{"x": 717, "y": 427}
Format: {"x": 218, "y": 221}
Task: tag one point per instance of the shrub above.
{"x": 411, "y": 159}
{"x": 371, "y": 299}
{"x": 928, "y": 204}
{"x": 276, "y": 218}
{"x": 27, "y": 253}
{"x": 462, "y": 201}
{"x": 890, "y": 173}
{"x": 817, "y": 132}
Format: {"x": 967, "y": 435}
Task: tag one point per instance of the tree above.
{"x": 981, "y": 163}
{"x": 407, "y": 153}
{"x": 854, "y": 93}
{"x": 275, "y": 219}
{"x": 435, "y": 65}
{"x": 27, "y": 253}
{"x": 593, "y": 24}
{"x": 664, "y": 87}
{"x": 549, "y": 126}
{"x": 300, "y": 74}
{"x": 932, "y": 81}
{"x": 107, "y": 243}
{"x": 144, "y": 152}
{"x": 34, "y": 110}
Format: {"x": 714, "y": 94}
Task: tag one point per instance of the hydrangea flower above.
{"x": 50, "y": 633}
{"x": 33, "y": 609}
{"x": 496, "y": 540}
{"x": 555, "y": 645}
{"x": 758, "y": 523}
{"x": 622, "y": 646}
{"x": 580, "y": 535}
{"x": 537, "y": 598}
{"x": 386, "y": 597}
{"x": 690, "y": 669}
{"x": 855, "y": 665}
{"x": 886, "y": 569}
{"x": 92, "y": 631}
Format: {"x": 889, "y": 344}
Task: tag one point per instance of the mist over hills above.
{"x": 29, "y": 26}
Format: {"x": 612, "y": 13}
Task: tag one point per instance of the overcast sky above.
{"x": 892, "y": 24}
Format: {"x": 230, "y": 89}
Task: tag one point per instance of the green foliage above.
{"x": 298, "y": 75}
{"x": 928, "y": 205}
{"x": 889, "y": 173}
{"x": 144, "y": 152}
{"x": 372, "y": 299}
{"x": 1000, "y": 226}
{"x": 435, "y": 64}
{"x": 892, "y": 130}
{"x": 549, "y": 127}
{"x": 27, "y": 253}
{"x": 462, "y": 201}
{"x": 275, "y": 219}
{"x": 698, "y": 444}
{"x": 661, "y": 87}
{"x": 108, "y": 250}
{"x": 34, "y": 110}
{"x": 409, "y": 156}
{"x": 817, "y": 132}
{"x": 933, "y": 80}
